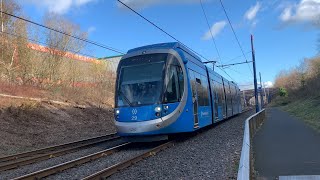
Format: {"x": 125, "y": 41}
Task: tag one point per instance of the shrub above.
{"x": 283, "y": 92}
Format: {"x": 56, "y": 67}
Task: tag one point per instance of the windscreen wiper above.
{"x": 125, "y": 98}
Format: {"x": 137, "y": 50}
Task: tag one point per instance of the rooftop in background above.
{"x": 114, "y": 61}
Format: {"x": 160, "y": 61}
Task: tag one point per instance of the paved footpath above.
{"x": 285, "y": 146}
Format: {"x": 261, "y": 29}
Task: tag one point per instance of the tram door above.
{"x": 195, "y": 97}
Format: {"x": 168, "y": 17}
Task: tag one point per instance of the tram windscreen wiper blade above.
{"x": 125, "y": 98}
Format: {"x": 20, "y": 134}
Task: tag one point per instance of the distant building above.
{"x": 114, "y": 62}
{"x": 111, "y": 61}
{"x": 69, "y": 55}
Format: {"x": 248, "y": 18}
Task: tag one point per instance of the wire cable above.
{"x": 250, "y": 69}
{"x": 58, "y": 31}
{"x": 42, "y": 43}
{"x": 240, "y": 72}
{"x": 227, "y": 74}
{"x": 160, "y": 28}
{"x": 213, "y": 40}
{"x": 232, "y": 59}
{"x": 234, "y": 33}
{"x": 233, "y": 64}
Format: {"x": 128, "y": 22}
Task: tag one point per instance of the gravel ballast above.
{"x": 90, "y": 168}
{"x": 9, "y": 174}
{"x": 212, "y": 153}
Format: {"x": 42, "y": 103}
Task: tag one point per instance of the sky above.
{"x": 285, "y": 31}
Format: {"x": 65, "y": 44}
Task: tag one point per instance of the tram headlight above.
{"x": 157, "y": 109}
{"x": 117, "y": 111}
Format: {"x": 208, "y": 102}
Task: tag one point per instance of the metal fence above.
{"x": 251, "y": 126}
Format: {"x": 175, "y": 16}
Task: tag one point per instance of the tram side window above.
{"x": 181, "y": 81}
{"x": 174, "y": 82}
{"x": 215, "y": 90}
{"x": 217, "y": 99}
{"x": 199, "y": 90}
{"x": 233, "y": 93}
{"x": 239, "y": 96}
{"x": 172, "y": 88}
{"x": 203, "y": 91}
{"x": 222, "y": 95}
{"x": 229, "y": 95}
{"x": 218, "y": 92}
{"x": 236, "y": 97}
{"x": 193, "y": 83}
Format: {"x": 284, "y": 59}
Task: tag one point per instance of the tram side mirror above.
{"x": 184, "y": 60}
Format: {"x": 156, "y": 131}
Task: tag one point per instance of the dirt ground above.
{"x": 27, "y": 125}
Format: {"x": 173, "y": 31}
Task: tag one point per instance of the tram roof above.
{"x": 169, "y": 45}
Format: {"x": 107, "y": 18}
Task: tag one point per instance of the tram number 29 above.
{"x": 134, "y": 118}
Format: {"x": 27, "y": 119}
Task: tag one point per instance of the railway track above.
{"x": 17, "y": 160}
{"x": 100, "y": 174}
{"x": 126, "y": 163}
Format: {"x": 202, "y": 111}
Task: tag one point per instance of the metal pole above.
{"x": 254, "y": 75}
{"x": 261, "y": 93}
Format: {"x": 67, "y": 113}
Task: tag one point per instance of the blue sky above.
{"x": 284, "y": 31}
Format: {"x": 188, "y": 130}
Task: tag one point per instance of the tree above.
{"x": 59, "y": 45}
{"x": 9, "y": 47}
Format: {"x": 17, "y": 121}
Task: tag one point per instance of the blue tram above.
{"x": 165, "y": 88}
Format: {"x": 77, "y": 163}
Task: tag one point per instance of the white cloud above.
{"x": 59, "y": 6}
{"x": 216, "y": 28}
{"x": 268, "y": 84}
{"x": 254, "y": 23}
{"x": 304, "y": 11}
{"x": 286, "y": 14}
{"x": 249, "y": 85}
{"x": 140, "y": 4}
{"x": 252, "y": 12}
{"x": 81, "y": 2}
{"x": 91, "y": 29}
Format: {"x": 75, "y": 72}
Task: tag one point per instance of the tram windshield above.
{"x": 140, "y": 80}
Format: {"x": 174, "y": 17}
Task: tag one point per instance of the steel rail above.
{"x": 126, "y": 163}
{"x": 50, "y": 152}
{"x": 67, "y": 165}
{"x": 51, "y": 148}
